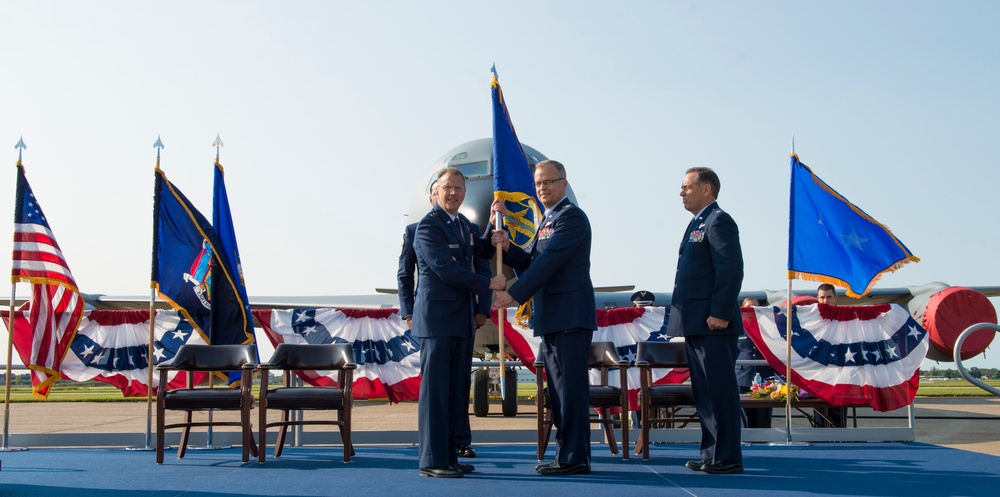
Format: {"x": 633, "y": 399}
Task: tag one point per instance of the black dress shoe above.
{"x": 465, "y": 468}
{"x": 564, "y": 469}
{"x": 695, "y": 465}
{"x": 722, "y": 469}
{"x": 441, "y": 472}
{"x": 466, "y": 451}
{"x": 538, "y": 467}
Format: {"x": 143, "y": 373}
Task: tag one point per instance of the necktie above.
{"x": 456, "y": 226}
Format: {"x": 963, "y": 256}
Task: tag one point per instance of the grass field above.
{"x": 70, "y": 392}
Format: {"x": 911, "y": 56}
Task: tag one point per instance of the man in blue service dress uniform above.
{"x": 704, "y": 310}
{"x": 557, "y": 274}
{"x": 445, "y": 319}
{"x": 406, "y": 284}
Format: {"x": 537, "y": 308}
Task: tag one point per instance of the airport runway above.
{"x": 971, "y": 424}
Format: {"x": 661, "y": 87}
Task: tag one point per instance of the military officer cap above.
{"x": 643, "y": 298}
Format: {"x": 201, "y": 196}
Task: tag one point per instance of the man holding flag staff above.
{"x": 445, "y": 317}
{"x": 556, "y": 275}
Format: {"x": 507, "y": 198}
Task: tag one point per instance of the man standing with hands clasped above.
{"x": 557, "y": 274}
{"x": 445, "y": 318}
{"x": 704, "y": 310}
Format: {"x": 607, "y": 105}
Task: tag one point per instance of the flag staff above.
{"x": 150, "y": 357}
{"x": 788, "y": 360}
{"x": 10, "y": 342}
{"x": 217, "y": 143}
{"x": 501, "y": 316}
{"x": 501, "y": 313}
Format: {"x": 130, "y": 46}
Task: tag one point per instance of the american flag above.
{"x": 56, "y": 306}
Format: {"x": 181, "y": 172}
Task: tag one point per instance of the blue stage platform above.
{"x": 836, "y": 469}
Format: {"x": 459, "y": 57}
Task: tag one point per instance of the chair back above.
{"x": 603, "y": 355}
{"x": 194, "y": 357}
{"x": 312, "y": 357}
{"x": 671, "y": 354}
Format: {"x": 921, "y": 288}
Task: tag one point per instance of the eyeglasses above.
{"x": 547, "y": 182}
{"x": 449, "y": 188}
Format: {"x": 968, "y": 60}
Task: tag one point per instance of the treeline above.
{"x": 24, "y": 380}
{"x": 982, "y": 373}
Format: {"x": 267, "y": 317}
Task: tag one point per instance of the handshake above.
{"x": 500, "y": 297}
{"x": 499, "y": 240}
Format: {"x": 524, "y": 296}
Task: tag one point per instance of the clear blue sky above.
{"x": 332, "y": 113}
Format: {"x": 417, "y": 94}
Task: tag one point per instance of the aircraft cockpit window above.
{"x": 470, "y": 170}
{"x": 481, "y": 168}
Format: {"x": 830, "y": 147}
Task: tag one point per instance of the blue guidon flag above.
{"x": 831, "y": 240}
{"x": 846, "y": 355}
{"x": 512, "y": 177}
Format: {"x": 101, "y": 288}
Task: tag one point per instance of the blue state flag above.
{"x": 231, "y": 316}
{"x": 188, "y": 269}
{"x": 833, "y": 241}
{"x": 512, "y": 178}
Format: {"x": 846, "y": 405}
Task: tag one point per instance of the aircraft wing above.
{"x": 373, "y": 301}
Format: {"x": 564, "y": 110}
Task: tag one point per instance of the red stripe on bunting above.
{"x": 620, "y": 315}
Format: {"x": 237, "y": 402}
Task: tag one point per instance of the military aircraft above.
{"x": 943, "y": 310}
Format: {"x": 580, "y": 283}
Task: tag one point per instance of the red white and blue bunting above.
{"x": 625, "y": 326}
{"x": 388, "y": 357}
{"x": 847, "y": 355}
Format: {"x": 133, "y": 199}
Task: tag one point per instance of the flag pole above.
{"x": 788, "y": 361}
{"x": 10, "y": 343}
{"x": 150, "y": 358}
{"x": 788, "y": 375}
{"x": 502, "y": 317}
{"x": 209, "y": 445}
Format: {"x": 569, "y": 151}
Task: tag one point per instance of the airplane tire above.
{"x": 480, "y": 393}
{"x": 510, "y": 403}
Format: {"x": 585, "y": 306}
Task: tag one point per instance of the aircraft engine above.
{"x": 946, "y": 313}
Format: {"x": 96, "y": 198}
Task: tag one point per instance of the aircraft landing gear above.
{"x": 486, "y": 386}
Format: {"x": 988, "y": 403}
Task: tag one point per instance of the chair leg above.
{"x": 280, "y": 442}
{"x": 248, "y": 444}
{"x": 345, "y": 436}
{"x": 182, "y": 448}
{"x": 609, "y": 432}
{"x": 541, "y": 432}
{"x": 344, "y": 416}
{"x": 625, "y": 422}
{"x": 262, "y": 429}
{"x": 160, "y": 435}
{"x": 644, "y": 431}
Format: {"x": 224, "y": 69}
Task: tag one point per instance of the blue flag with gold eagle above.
{"x": 831, "y": 240}
{"x": 512, "y": 178}
{"x": 514, "y": 183}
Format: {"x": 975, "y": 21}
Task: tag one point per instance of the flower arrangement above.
{"x": 773, "y": 390}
